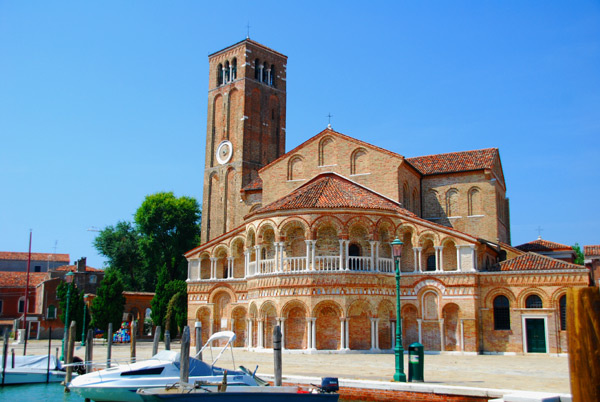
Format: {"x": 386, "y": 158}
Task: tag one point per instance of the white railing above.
{"x": 386, "y": 265}
{"x": 326, "y": 263}
{"x": 359, "y": 263}
{"x": 294, "y": 264}
{"x": 267, "y": 266}
{"x": 252, "y": 268}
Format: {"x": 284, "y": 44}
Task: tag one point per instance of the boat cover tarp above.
{"x": 198, "y": 368}
{"x": 33, "y": 362}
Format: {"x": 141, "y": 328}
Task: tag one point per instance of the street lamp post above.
{"x": 398, "y": 350}
{"x": 83, "y": 330}
{"x": 69, "y": 279}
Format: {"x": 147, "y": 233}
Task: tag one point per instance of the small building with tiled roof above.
{"x": 591, "y": 255}
{"x": 549, "y": 248}
{"x": 301, "y": 239}
{"x": 38, "y": 262}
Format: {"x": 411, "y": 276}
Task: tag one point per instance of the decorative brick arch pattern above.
{"x": 522, "y": 297}
{"x": 430, "y": 326}
{"x": 203, "y": 315}
{"x": 451, "y": 315}
{"x": 239, "y": 315}
{"x": 359, "y": 325}
{"x": 328, "y": 325}
{"x": 386, "y": 314}
{"x": 410, "y": 327}
{"x": 327, "y": 220}
{"x": 268, "y": 313}
{"x": 295, "y": 313}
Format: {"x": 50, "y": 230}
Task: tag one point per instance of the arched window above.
{"x": 326, "y": 149}
{"x": 234, "y": 69}
{"x": 227, "y": 72}
{"x": 272, "y": 76}
{"x": 474, "y": 202}
{"x": 452, "y": 202}
{"x": 51, "y": 315}
{"x": 432, "y": 205}
{"x": 501, "y": 313}
{"x": 220, "y": 75}
{"x": 431, "y": 263}
{"x": 533, "y": 301}
{"x": 358, "y": 162}
{"x": 562, "y": 305}
{"x": 265, "y": 73}
{"x": 257, "y": 72}
{"x": 295, "y": 168}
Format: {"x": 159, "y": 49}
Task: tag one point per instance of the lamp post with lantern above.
{"x": 69, "y": 279}
{"x": 398, "y": 350}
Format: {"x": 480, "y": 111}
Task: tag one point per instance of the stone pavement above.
{"x": 547, "y": 373}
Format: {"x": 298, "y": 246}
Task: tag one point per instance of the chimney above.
{"x": 81, "y": 264}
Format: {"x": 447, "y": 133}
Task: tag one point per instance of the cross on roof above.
{"x": 539, "y": 230}
{"x": 329, "y": 116}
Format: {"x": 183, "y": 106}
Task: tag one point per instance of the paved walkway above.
{"x": 547, "y": 373}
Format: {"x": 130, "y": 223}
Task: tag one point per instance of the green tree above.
{"x": 169, "y": 305}
{"x": 76, "y": 307}
{"x": 108, "y": 305}
{"x": 579, "y": 258}
{"x": 169, "y": 226}
{"x": 121, "y": 245}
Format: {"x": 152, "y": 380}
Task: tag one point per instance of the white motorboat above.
{"x": 120, "y": 383}
{"x": 31, "y": 370}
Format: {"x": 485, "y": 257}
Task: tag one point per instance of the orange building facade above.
{"x": 302, "y": 239}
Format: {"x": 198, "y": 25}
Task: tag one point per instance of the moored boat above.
{"x": 31, "y": 370}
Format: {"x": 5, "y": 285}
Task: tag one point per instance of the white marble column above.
{"x": 372, "y": 265}
{"x": 230, "y": 267}
{"x": 374, "y": 334}
{"x": 458, "y": 258}
{"x": 415, "y": 259}
{"x": 261, "y": 343}
{"x": 308, "y": 334}
{"x": 213, "y": 267}
{"x": 438, "y": 262}
{"x": 347, "y": 243}
{"x": 313, "y": 334}
{"x": 246, "y": 262}
{"x": 341, "y": 254}
{"x": 473, "y": 258}
{"x": 441, "y": 258}
{"x": 249, "y": 333}
{"x": 276, "y": 257}
{"x": 313, "y": 247}
{"x": 462, "y": 335}
{"x": 281, "y": 259}
{"x": 420, "y": 330}
{"x": 308, "y": 254}
{"x": 342, "y": 333}
{"x": 257, "y": 252}
{"x": 347, "y": 333}
{"x": 189, "y": 275}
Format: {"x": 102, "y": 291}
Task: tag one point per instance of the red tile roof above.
{"x": 73, "y": 268}
{"x": 330, "y": 190}
{"x": 543, "y": 245}
{"x": 591, "y": 250}
{"x": 255, "y": 184}
{"x": 534, "y": 262}
{"x": 11, "y": 255}
{"x": 19, "y": 279}
{"x": 455, "y": 161}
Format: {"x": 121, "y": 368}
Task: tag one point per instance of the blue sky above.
{"x": 103, "y": 103}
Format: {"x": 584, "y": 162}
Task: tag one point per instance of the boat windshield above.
{"x": 167, "y": 355}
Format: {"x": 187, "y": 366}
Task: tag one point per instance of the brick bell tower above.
{"x": 245, "y": 129}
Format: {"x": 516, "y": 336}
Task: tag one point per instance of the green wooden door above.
{"x": 536, "y": 335}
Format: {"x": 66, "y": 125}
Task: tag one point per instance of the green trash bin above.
{"x": 416, "y": 362}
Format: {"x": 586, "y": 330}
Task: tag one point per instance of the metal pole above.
{"x": 83, "y": 329}
{"x": 398, "y": 350}
{"x": 49, "y": 355}
{"x": 198, "y": 326}
{"x": 89, "y": 351}
{"x": 27, "y": 296}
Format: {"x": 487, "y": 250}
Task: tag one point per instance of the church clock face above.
{"x": 224, "y": 152}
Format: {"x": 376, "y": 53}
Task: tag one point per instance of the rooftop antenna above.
{"x": 55, "y": 245}
{"x": 248, "y": 30}
{"x": 93, "y": 229}
{"x": 540, "y": 230}
{"x": 329, "y": 116}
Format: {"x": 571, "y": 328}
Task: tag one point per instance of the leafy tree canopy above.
{"x": 108, "y": 305}
{"x": 169, "y": 227}
{"x": 121, "y": 245}
{"x": 579, "y": 258}
{"x": 76, "y": 307}
{"x": 169, "y": 305}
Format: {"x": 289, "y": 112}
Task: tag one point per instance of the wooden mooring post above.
{"x": 89, "y": 350}
{"x": 109, "y": 344}
{"x": 583, "y": 334}
{"x": 184, "y": 371}
{"x": 156, "y": 340}
{"x": 5, "y": 353}
{"x": 277, "y": 354}
{"x": 167, "y": 340}
{"x": 70, "y": 352}
{"x": 134, "y": 329}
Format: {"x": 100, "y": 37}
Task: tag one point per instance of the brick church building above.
{"x": 302, "y": 239}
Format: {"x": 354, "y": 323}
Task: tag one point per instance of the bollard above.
{"x": 134, "y": 328}
{"x": 5, "y": 352}
{"x": 12, "y": 352}
{"x": 89, "y": 350}
{"x": 277, "y": 354}
{"x": 416, "y": 362}
{"x": 184, "y": 371}
{"x": 167, "y": 340}
{"x": 70, "y": 352}
{"x": 198, "y": 326}
{"x": 156, "y": 340}
{"x": 109, "y": 345}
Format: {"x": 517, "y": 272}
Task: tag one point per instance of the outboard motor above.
{"x": 329, "y": 384}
